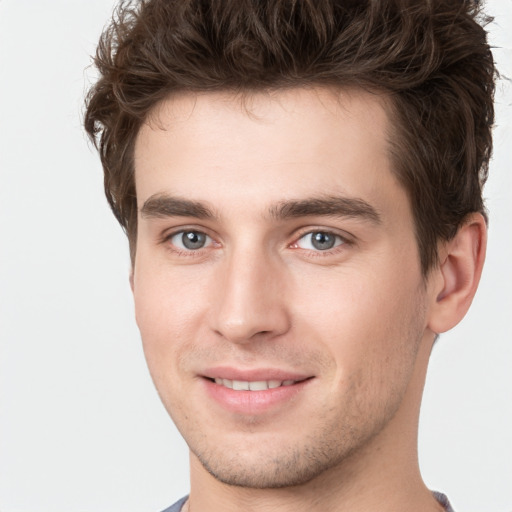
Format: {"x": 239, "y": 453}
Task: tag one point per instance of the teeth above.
{"x": 258, "y": 385}
{"x": 240, "y": 385}
{"x": 224, "y": 382}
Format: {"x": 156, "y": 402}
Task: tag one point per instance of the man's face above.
{"x": 277, "y": 282}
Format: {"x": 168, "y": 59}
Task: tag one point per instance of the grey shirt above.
{"x": 441, "y": 498}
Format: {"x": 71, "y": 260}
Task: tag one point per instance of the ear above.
{"x": 457, "y": 277}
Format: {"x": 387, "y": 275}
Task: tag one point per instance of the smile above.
{"x": 255, "y": 394}
{"x": 257, "y": 385}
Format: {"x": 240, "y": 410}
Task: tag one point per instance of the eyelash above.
{"x": 343, "y": 240}
{"x": 191, "y": 253}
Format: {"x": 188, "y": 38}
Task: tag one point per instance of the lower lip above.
{"x": 253, "y": 402}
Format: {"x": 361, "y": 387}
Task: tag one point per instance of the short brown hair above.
{"x": 430, "y": 57}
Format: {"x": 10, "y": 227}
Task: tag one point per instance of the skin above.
{"x": 357, "y": 321}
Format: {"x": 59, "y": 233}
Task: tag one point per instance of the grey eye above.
{"x": 190, "y": 240}
{"x": 319, "y": 241}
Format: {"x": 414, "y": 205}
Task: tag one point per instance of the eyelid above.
{"x": 346, "y": 240}
{"x": 337, "y": 240}
{"x": 208, "y": 240}
{"x": 168, "y": 233}
{"x": 166, "y": 237}
{"x": 344, "y": 235}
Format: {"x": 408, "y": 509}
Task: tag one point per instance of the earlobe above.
{"x": 458, "y": 274}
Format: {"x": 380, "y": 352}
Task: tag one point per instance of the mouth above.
{"x": 255, "y": 385}
{"x": 255, "y": 392}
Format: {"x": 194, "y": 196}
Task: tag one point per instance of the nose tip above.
{"x": 243, "y": 330}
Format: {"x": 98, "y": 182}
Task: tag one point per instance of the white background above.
{"x": 81, "y": 427}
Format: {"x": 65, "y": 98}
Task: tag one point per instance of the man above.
{"x": 301, "y": 184}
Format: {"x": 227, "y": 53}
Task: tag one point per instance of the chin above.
{"x": 274, "y": 474}
{"x": 277, "y": 467}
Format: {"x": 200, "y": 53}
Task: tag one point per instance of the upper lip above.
{"x": 254, "y": 374}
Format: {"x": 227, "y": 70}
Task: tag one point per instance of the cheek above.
{"x": 368, "y": 322}
{"x": 168, "y": 310}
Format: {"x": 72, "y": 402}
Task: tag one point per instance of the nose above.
{"x": 250, "y": 301}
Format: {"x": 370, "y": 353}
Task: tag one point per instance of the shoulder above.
{"x": 177, "y": 506}
{"x": 443, "y": 500}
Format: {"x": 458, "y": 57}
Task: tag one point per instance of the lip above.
{"x": 254, "y": 374}
{"x": 254, "y": 402}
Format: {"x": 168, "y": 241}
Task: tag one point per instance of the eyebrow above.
{"x": 163, "y": 205}
{"x": 327, "y": 206}
{"x": 160, "y": 206}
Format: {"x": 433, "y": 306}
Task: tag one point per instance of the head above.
{"x": 290, "y": 176}
{"x": 430, "y": 59}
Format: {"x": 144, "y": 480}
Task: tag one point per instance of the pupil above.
{"x": 322, "y": 241}
{"x": 193, "y": 240}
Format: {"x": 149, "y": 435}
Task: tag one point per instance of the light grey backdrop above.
{"x": 81, "y": 428}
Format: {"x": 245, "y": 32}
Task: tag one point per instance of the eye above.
{"x": 319, "y": 241}
{"x": 190, "y": 240}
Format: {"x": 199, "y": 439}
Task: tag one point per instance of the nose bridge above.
{"x": 250, "y": 299}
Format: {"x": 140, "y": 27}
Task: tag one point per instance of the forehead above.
{"x": 279, "y": 145}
